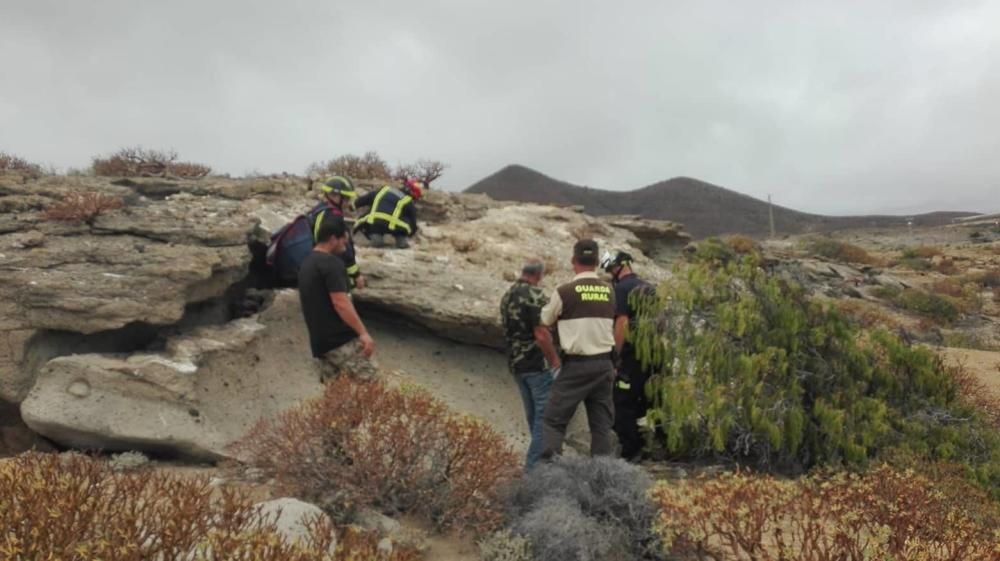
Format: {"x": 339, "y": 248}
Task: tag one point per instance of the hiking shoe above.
{"x": 402, "y": 242}
{"x": 376, "y": 240}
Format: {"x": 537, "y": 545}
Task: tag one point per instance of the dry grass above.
{"x": 922, "y": 252}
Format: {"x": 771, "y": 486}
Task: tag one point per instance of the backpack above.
{"x": 291, "y": 244}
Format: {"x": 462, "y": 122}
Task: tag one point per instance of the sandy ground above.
{"x": 984, "y": 364}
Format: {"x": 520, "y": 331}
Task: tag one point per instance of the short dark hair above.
{"x": 533, "y": 267}
{"x": 585, "y": 253}
{"x": 331, "y": 227}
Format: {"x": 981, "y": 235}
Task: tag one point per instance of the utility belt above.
{"x": 586, "y": 358}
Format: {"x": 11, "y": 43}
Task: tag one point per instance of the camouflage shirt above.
{"x": 520, "y": 309}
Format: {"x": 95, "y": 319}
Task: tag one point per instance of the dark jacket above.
{"x": 390, "y": 211}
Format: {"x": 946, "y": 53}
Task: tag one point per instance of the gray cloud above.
{"x": 833, "y": 107}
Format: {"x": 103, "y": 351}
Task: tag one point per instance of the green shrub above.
{"x": 921, "y": 252}
{"x": 748, "y": 368}
{"x": 915, "y": 263}
{"x": 840, "y": 251}
{"x": 936, "y": 307}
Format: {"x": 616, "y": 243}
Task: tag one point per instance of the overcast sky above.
{"x": 834, "y": 107}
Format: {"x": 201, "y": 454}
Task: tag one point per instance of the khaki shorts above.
{"x": 349, "y": 359}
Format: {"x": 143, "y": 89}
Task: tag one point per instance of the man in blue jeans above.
{"x": 531, "y": 354}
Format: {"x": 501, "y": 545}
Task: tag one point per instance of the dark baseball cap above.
{"x": 585, "y": 252}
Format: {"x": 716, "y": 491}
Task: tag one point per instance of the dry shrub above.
{"x": 365, "y": 444}
{"x": 585, "y": 508}
{"x": 885, "y": 515}
{"x": 369, "y": 166}
{"x": 465, "y": 245}
{"x": 950, "y": 287}
{"x": 10, "y": 162}
{"x": 83, "y": 207}
{"x": 423, "y": 170}
{"x": 742, "y": 244}
{"x": 867, "y": 315}
{"x": 922, "y": 252}
{"x": 976, "y": 393}
{"x": 142, "y": 162}
{"x": 74, "y": 508}
{"x": 841, "y": 251}
{"x": 948, "y": 267}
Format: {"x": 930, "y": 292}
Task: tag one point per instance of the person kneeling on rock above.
{"x": 391, "y": 211}
{"x": 337, "y": 336}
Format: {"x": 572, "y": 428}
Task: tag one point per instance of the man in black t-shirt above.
{"x": 630, "y": 398}
{"x": 337, "y": 336}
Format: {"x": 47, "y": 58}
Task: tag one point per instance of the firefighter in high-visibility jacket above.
{"x": 391, "y": 211}
{"x": 338, "y": 197}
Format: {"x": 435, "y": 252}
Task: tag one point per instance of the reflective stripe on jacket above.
{"x": 388, "y": 207}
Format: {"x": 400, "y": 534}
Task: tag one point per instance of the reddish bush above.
{"x": 142, "y": 162}
{"x": 10, "y": 162}
{"x": 365, "y": 444}
{"x": 74, "y": 508}
{"x": 83, "y": 207}
{"x": 887, "y": 514}
{"x": 368, "y": 166}
{"x": 424, "y": 170}
{"x": 742, "y": 244}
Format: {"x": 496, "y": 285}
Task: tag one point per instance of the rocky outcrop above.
{"x": 143, "y": 264}
{"x": 192, "y": 399}
{"x": 97, "y": 318}
{"x": 451, "y": 281}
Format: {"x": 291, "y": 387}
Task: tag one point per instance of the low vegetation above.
{"x": 749, "y": 369}
{"x": 370, "y": 166}
{"x": 84, "y": 207}
{"x": 142, "y": 162}
{"x": 368, "y": 445}
{"x": 885, "y": 515}
{"x": 840, "y": 251}
{"x": 583, "y": 508}
{"x": 940, "y": 309}
{"x": 14, "y": 163}
{"x": 73, "y": 508}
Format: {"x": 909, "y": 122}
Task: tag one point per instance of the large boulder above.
{"x": 143, "y": 264}
{"x": 452, "y": 279}
{"x": 193, "y": 399}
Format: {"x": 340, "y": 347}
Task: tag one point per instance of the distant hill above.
{"x": 704, "y": 209}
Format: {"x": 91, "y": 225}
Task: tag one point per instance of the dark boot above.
{"x": 376, "y": 240}
{"x": 402, "y": 242}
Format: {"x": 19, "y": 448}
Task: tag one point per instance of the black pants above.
{"x": 631, "y": 405}
{"x": 589, "y": 382}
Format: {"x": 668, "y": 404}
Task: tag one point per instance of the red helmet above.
{"x": 414, "y": 187}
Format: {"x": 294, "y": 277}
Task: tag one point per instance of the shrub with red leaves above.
{"x": 83, "y": 207}
{"x": 12, "y": 163}
{"x": 884, "y": 515}
{"x": 142, "y": 162}
{"x": 74, "y": 508}
{"x": 365, "y": 444}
